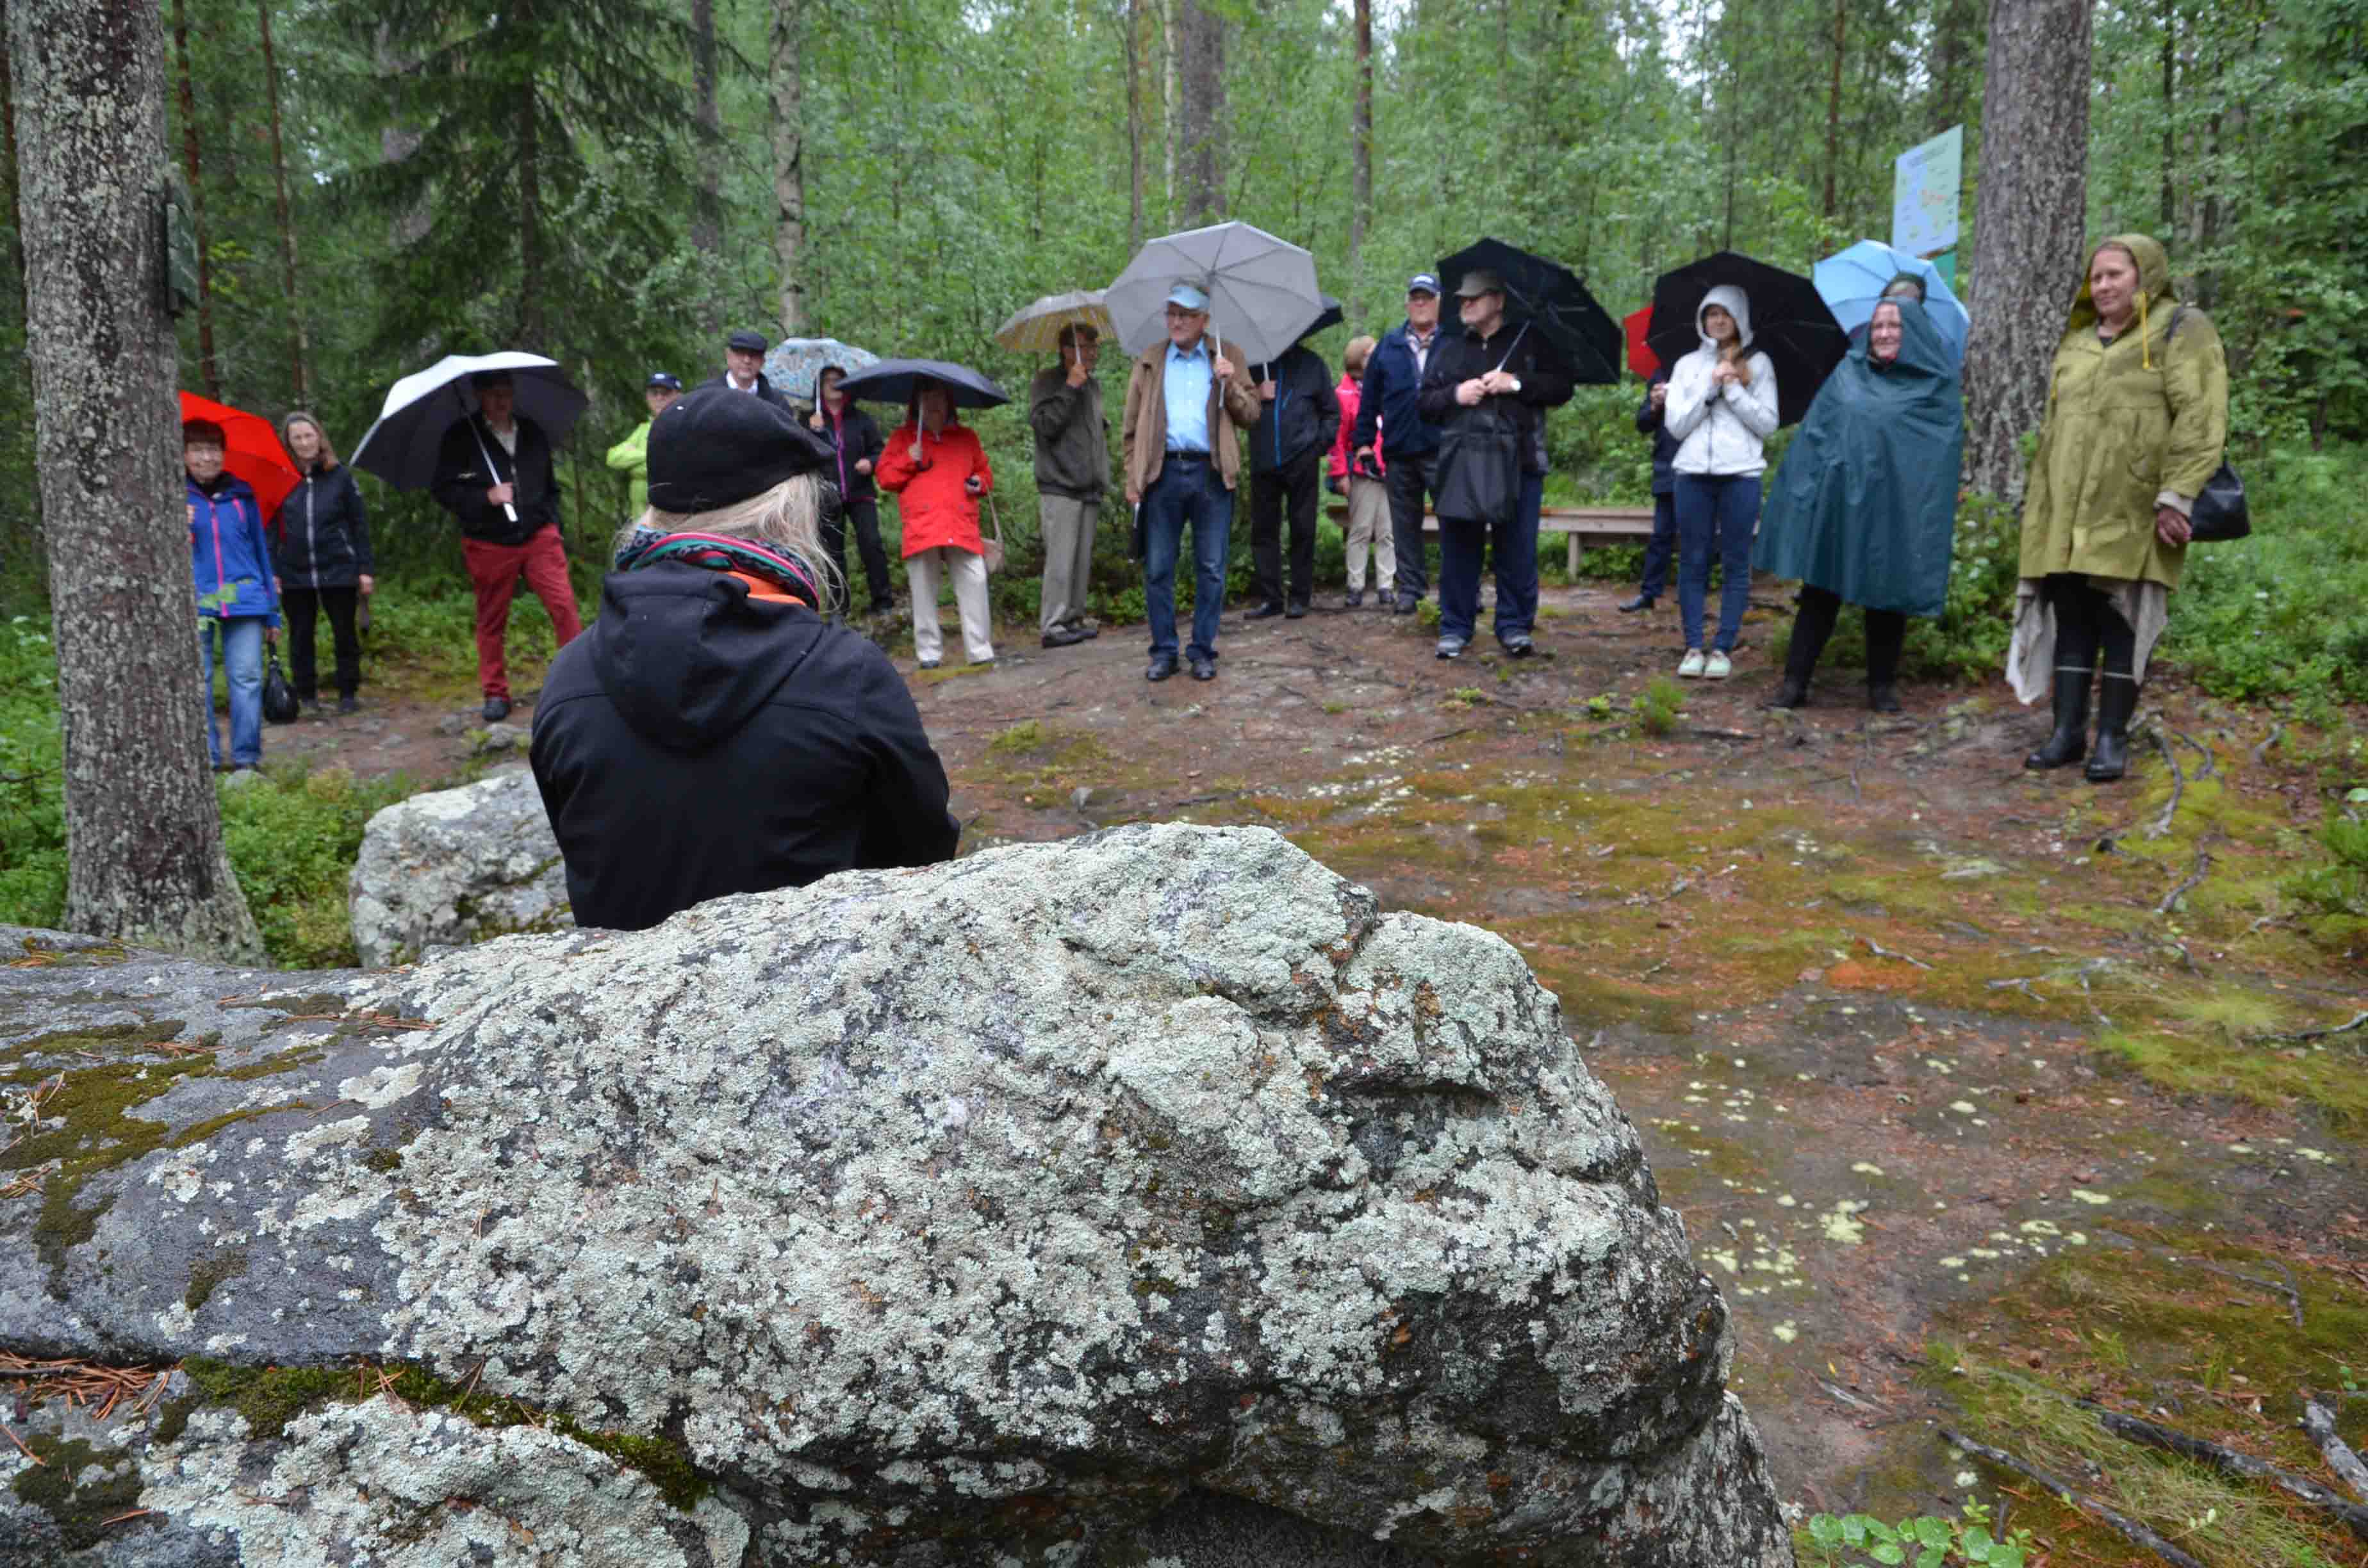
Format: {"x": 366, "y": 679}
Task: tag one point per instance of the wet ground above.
{"x": 1968, "y": 1085}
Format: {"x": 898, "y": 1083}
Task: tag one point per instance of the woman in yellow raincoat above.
{"x": 2137, "y": 411}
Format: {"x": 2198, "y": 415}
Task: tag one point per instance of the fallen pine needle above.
{"x": 135, "y": 1514}
{"x": 21, "y": 1448}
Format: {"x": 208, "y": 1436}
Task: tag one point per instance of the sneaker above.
{"x": 925, "y": 663}
{"x": 1406, "y": 604}
{"x": 347, "y": 705}
{"x": 1087, "y": 631}
{"x": 1203, "y": 668}
{"x": 1717, "y": 667}
{"x": 1642, "y": 601}
{"x": 1452, "y": 646}
{"x": 1162, "y": 665}
{"x": 1296, "y": 611}
{"x": 1356, "y": 599}
{"x": 1266, "y": 611}
{"x": 1517, "y": 645}
{"x": 1690, "y": 666}
{"x": 1064, "y": 637}
{"x": 495, "y": 710}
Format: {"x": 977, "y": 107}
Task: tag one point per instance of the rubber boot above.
{"x": 2114, "y": 705}
{"x": 2070, "y": 740}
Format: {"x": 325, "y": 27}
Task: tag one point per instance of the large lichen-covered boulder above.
{"x": 1146, "y": 1199}
{"x": 453, "y": 866}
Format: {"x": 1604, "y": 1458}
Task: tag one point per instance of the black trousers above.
{"x": 2086, "y": 620}
{"x": 1411, "y": 480}
{"x": 302, "y": 607}
{"x": 1295, "y": 483}
{"x": 1886, "y": 630}
{"x": 865, "y": 516}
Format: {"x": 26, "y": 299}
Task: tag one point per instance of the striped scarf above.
{"x": 718, "y": 552}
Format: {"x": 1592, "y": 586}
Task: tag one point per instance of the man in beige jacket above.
{"x": 1181, "y": 462}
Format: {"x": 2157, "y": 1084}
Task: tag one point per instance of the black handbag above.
{"x": 2220, "y": 512}
{"x": 280, "y": 704}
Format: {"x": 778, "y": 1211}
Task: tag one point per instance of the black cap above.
{"x": 662, "y": 380}
{"x": 480, "y": 380}
{"x": 715, "y": 445}
{"x": 747, "y": 342}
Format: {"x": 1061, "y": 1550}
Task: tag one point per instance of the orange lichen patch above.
{"x": 1872, "y": 974}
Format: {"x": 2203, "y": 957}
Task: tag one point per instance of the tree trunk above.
{"x": 1200, "y": 112}
{"x": 707, "y": 199}
{"x": 2028, "y": 217}
{"x": 144, "y": 854}
{"x": 396, "y": 142}
{"x": 1134, "y": 127}
{"x": 298, "y": 350}
{"x": 1954, "y": 30}
{"x": 2170, "y": 106}
{"x": 787, "y": 85}
{"x": 1360, "y": 144}
{"x": 208, "y": 369}
{"x": 532, "y": 335}
{"x": 1834, "y": 113}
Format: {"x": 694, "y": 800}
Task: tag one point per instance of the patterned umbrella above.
{"x": 1036, "y": 329}
{"x": 795, "y": 363}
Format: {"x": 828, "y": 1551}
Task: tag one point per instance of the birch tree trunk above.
{"x": 2029, "y": 220}
{"x": 787, "y": 80}
{"x": 209, "y": 369}
{"x": 1200, "y": 112}
{"x": 707, "y": 199}
{"x": 1134, "y": 126}
{"x": 298, "y": 350}
{"x": 144, "y": 851}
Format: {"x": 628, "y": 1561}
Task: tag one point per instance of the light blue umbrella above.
{"x": 1851, "y": 283}
{"x": 794, "y": 362}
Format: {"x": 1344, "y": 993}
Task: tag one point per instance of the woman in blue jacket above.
{"x": 238, "y": 597}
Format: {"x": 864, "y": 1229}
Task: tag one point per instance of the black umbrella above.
{"x": 896, "y": 380}
{"x": 1549, "y": 297}
{"x": 1790, "y": 322}
{"x": 1331, "y": 315}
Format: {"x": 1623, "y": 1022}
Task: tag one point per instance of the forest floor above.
{"x": 1968, "y": 1116}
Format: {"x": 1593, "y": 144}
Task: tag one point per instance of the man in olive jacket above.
{"x": 1065, "y": 411}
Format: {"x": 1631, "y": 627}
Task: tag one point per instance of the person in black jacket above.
{"x": 856, "y": 445}
{"x": 1388, "y": 408}
{"x": 744, "y": 369}
{"x": 322, "y": 553}
{"x": 715, "y": 735}
{"x": 494, "y": 474}
{"x": 1663, "y": 546}
{"x": 1494, "y": 374}
{"x": 1298, "y": 417}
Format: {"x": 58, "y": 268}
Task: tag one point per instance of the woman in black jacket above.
{"x": 858, "y": 445}
{"x": 323, "y": 556}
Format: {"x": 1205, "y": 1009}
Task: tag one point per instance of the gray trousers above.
{"x": 1067, "y": 527}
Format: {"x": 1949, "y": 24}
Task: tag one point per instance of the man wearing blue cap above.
{"x": 1393, "y": 380}
{"x": 1181, "y": 464}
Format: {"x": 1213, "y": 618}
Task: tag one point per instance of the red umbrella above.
{"x": 251, "y": 449}
{"x": 1641, "y": 358}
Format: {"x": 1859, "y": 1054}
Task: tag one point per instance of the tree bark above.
{"x": 209, "y": 369}
{"x": 707, "y": 199}
{"x": 1834, "y": 112}
{"x": 1134, "y": 126}
{"x": 396, "y": 142}
{"x": 145, "y": 862}
{"x": 1954, "y": 30}
{"x": 1200, "y": 112}
{"x": 2029, "y": 220}
{"x": 787, "y": 80}
{"x": 1360, "y": 144}
{"x": 2169, "y": 104}
{"x": 298, "y": 350}
{"x": 532, "y": 335}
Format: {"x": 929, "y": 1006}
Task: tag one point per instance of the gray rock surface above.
{"x": 1148, "y": 1198}
{"x": 453, "y": 866}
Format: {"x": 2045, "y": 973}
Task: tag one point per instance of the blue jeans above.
{"x": 1513, "y": 543}
{"x": 1186, "y": 492}
{"x": 241, "y": 656}
{"x": 1661, "y": 546}
{"x": 1715, "y": 515}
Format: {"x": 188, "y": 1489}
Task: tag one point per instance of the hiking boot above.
{"x": 1356, "y": 599}
{"x": 346, "y": 704}
{"x": 1295, "y": 610}
{"x": 1790, "y": 692}
{"x": 1517, "y": 645}
{"x": 1642, "y": 601}
{"x": 1162, "y": 665}
{"x": 1203, "y": 667}
{"x": 495, "y": 710}
{"x": 1882, "y": 695}
{"x": 2069, "y": 743}
{"x": 1266, "y": 611}
{"x": 1452, "y": 646}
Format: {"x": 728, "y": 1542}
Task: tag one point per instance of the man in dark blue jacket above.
{"x": 1393, "y": 380}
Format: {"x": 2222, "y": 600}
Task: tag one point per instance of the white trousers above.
{"x": 922, "y": 571}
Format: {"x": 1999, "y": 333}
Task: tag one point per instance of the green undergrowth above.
{"x": 2155, "y": 1329}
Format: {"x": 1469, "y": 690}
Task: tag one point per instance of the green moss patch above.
{"x": 70, "y": 1486}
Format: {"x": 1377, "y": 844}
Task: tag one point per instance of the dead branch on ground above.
{"x": 2130, "y": 1529}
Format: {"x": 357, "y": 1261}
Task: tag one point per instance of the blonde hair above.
{"x": 1353, "y": 358}
{"x": 786, "y": 520}
{"x": 295, "y": 416}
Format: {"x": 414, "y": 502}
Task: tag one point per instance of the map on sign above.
{"x": 1926, "y": 180}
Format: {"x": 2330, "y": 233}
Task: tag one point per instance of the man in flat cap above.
{"x": 744, "y": 368}
{"x": 715, "y": 733}
{"x": 493, "y": 474}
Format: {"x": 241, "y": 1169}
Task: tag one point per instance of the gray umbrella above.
{"x": 1261, "y": 290}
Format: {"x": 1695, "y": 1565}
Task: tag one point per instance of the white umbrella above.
{"x": 1262, "y": 293}
{"x": 1036, "y": 329}
{"x": 402, "y": 447}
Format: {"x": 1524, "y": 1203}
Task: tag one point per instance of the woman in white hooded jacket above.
{"x": 1722, "y": 405}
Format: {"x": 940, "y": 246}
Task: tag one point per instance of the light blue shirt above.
{"x": 1186, "y": 389}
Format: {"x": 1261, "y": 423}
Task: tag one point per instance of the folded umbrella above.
{"x": 402, "y": 447}
{"x": 896, "y": 380}
{"x": 1852, "y": 282}
{"x": 794, "y": 364}
{"x": 1790, "y": 322}
{"x": 1641, "y": 358}
{"x": 1261, "y": 290}
{"x": 1550, "y": 298}
{"x": 251, "y": 449}
{"x": 1036, "y": 328}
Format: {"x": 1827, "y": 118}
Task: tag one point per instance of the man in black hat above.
{"x": 715, "y": 733}
{"x": 493, "y": 474}
{"x": 744, "y": 368}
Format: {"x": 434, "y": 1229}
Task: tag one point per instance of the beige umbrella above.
{"x": 1036, "y": 329}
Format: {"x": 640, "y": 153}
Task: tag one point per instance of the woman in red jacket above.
{"x": 937, "y": 470}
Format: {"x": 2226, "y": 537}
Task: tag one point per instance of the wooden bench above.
{"x": 1579, "y": 525}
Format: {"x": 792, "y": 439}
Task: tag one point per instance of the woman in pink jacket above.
{"x": 1368, "y": 500}
{"x": 937, "y": 470}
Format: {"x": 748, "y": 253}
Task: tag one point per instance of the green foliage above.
{"x": 2336, "y": 893}
{"x": 1658, "y": 708}
{"x": 32, "y": 795}
{"x": 292, "y": 839}
{"x": 1926, "y": 1541}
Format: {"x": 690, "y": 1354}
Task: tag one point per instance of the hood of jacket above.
{"x": 687, "y": 655}
{"x": 1738, "y": 305}
{"x": 2155, "y": 288}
